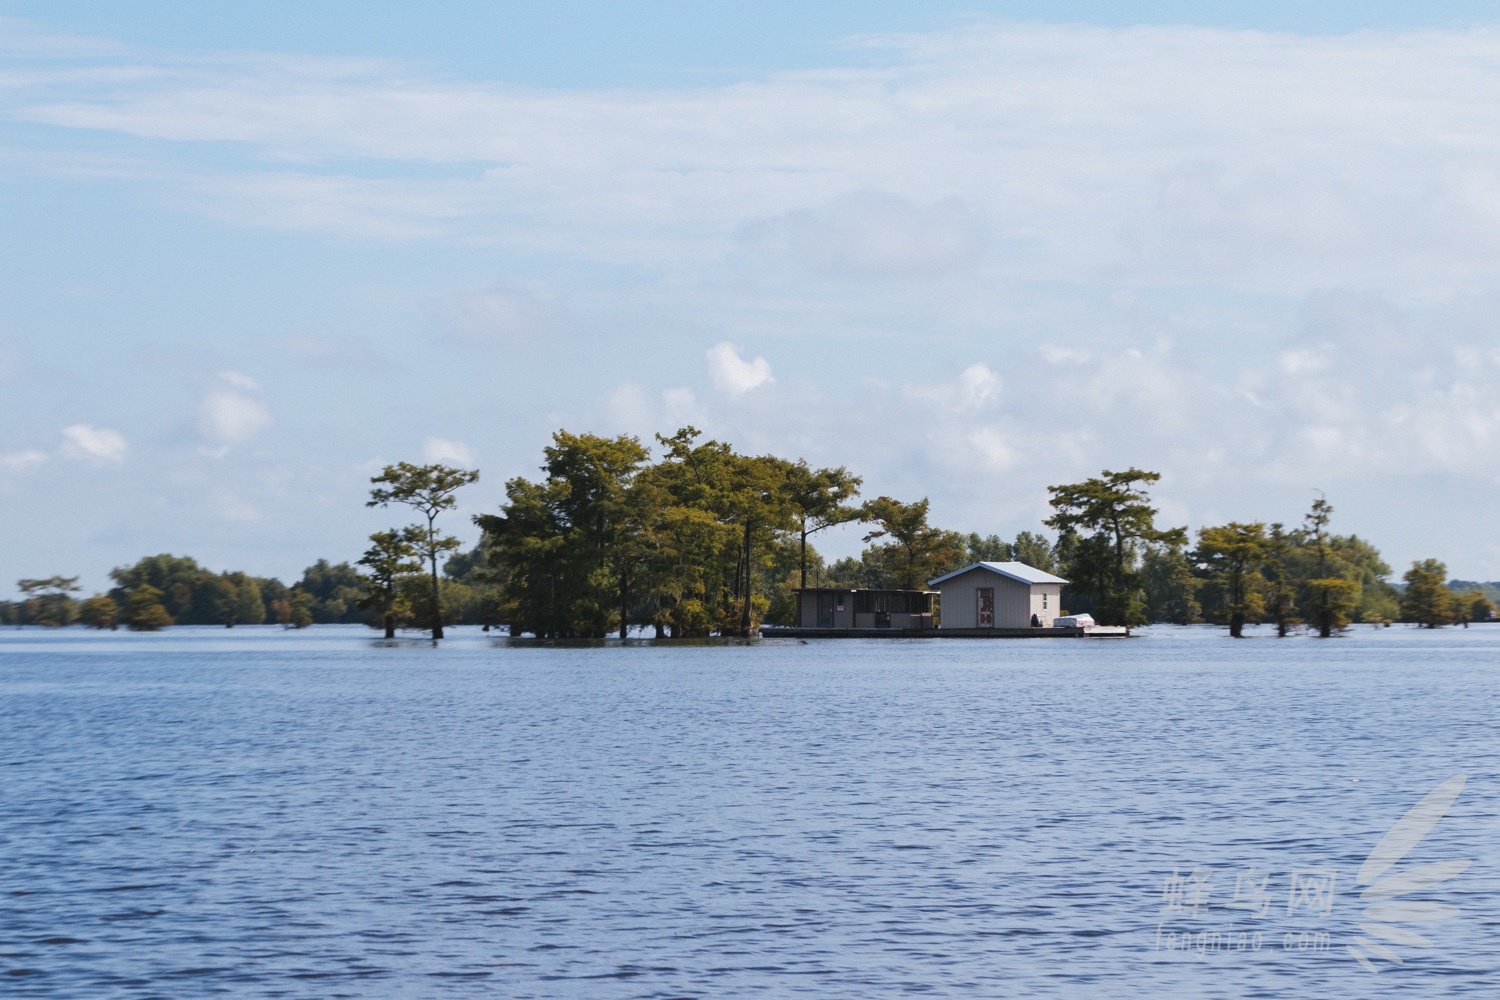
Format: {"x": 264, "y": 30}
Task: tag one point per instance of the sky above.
{"x": 252, "y": 253}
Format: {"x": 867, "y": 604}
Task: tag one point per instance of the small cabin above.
{"x": 999, "y": 595}
{"x": 854, "y": 607}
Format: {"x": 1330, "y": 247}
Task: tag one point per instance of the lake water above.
{"x": 265, "y": 813}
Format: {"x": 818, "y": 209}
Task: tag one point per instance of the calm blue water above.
{"x": 268, "y": 813}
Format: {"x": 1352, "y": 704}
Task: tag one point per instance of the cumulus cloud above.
{"x": 732, "y": 373}
{"x": 97, "y": 444}
{"x": 444, "y": 452}
{"x": 232, "y": 414}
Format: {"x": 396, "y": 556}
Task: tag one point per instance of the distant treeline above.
{"x": 163, "y": 590}
{"x": 702, "y": 540}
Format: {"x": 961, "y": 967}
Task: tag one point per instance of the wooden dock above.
{"x": 1081, "y": 632}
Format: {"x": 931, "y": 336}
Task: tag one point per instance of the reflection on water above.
{"x": 258, "y": 812}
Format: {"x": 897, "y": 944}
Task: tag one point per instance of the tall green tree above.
{"x": 1427, "y": 601}
{"x": 392, "y": 556}
{"x": 566, "y": 547}
{"x": 986, "y": 548}
{"x": 1474, "y": 606}
{"x": 337, "y": 590}
{"x": 100, "y": 611}
{"x": 1035, "y": 550}
{"x": 821, "y": 499}
{"x": 1359, "y": 561}
{"x": 921, "y": 550}
{"x": 1171, "y": 586}
{"x": 1232, "y": 553}
{"x": 1332, "y": 595}
{"x": 429, "y": 490}
{"x": 756, "y": 501}
{"x": 1117, "y": 511}
{"x": 1281, "y": 585}
{"x": 177, "y": 579}
{"x": 50, "y": 600}
{"x": 144, "y": 611}
{"x": 697, "y": 565}
{"x": 232, "y": 599}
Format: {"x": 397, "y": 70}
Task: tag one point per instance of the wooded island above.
{"x": 701, "y": 540}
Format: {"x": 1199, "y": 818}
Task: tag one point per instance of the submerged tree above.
{"x": 922, "y": 550}
{"x": 821, "y": 500}
{"x": 1171, "y": 586}
{"x": 49, "y": 600}
{"x": 429, "y": 490}
{"x": 1332, "y": 595}
{"x": 1281, "y": 591}
{"x": 1427, "y": 601}
{"x": 1233, "y": 553}
{"x": 100, "y": 611}
{"x": 1119, "y": 514}
{"x": 144, "y": 611}
{"x": 392, "y": 556}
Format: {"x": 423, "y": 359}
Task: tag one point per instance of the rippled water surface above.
{"x": 268, "y": 813}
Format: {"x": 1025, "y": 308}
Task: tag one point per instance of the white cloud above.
{"x": 732, "y": 373}
{"x": 232, "y": 415}
{"x": 444, "y": 452}
{"x": 1256, "y": 159}
{"x": 978, "y": 386}
{"x": 98, "y": 444}
{"x": 22, "y": 461}
{"x": 1137, "y": 229}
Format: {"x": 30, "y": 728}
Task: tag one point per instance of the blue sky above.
{"x": 968, "y": 250}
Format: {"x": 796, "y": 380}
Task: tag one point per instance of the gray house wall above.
{"x": 847, "y": 618}
{"x": 1015, "y": 602}
{"x": 841, "y": 619}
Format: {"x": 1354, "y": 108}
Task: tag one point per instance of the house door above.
{"x": 986, "y": 607}
{"x": 883, "y": 610}
{"x": 825, "y": 610}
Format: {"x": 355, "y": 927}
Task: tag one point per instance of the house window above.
{"x": 864, "y": 603}
{"x": 1044, "y": 602}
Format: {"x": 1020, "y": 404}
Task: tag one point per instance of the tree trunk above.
{"x": 437, "y": 606}
{"x": 624, "y": 604}
{"x": 804, "y": 555}
{"x": 745, "y": 613}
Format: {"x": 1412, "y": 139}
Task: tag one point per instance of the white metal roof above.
{"x": 1015, "y": 570}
